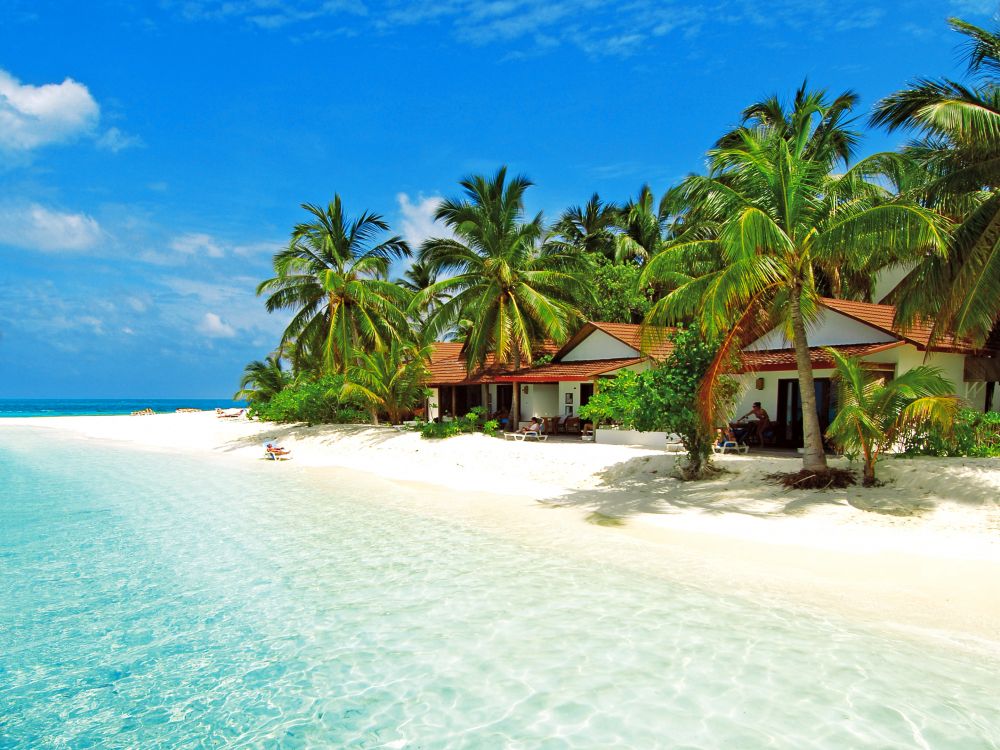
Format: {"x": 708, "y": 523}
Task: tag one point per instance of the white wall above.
{"x": 656, "y": 440}
{"x": 434, "y": 409}
{"x": 599, "y": 345}
{"x": 564, "y": 388}
{"x": 541, "y": 400}
{"x": 904, "y": 357}
{"x": 829, "y": 329}
{"x": 888, "y": 279}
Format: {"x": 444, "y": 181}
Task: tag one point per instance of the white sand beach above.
{"x": 925, "y": 557}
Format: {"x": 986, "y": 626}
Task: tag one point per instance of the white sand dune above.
{"x": 922, "y": 551}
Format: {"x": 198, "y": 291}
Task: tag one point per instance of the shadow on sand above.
{"x": 646, "y": 485}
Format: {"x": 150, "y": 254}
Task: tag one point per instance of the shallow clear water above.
{"x": 66, "y": 407}
{"x": 152, "y": 600}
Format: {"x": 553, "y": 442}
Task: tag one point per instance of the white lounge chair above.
{"x": 730, "y": 445}
{"x": 270, "y": 447}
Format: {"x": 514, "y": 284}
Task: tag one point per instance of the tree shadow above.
{"x": 646, "y": 485}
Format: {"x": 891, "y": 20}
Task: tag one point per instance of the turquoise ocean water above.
{"x": 72, "y": 407}
{"x": 149, "y": 600}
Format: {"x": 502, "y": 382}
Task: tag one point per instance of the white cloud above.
{"x": 36, "y": 227}
{"x": 197, "y": 243}
{"x": 417, "y": 223}
{"x": 33, "y": 116}
{"x": 213, "y": 326}
{"x": 114, "y": 140}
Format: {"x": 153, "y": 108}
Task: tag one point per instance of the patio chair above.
{"x": 730, "y": 445}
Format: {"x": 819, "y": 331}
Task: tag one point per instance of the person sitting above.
{"x": 275, "y": 449}
{"x": 535, "y": 425}
{"x": 726, "y": 435}
{"x": 761, "y": 422}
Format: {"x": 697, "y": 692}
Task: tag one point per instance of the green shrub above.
{"x": 471, "y": 422}
{"x": 974, "y": 434}
{"x": 314, "y": 402}
{"x": 616, "y": 401}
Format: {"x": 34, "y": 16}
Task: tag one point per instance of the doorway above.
{"x": 586, "y": 391}
{"x": 788, "y": 419}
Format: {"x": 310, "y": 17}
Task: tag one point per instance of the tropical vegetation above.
{"x": 785, "y": 213}
{"x": 781, "y": 211}
{"x": 954, "y": 166}
{"x": 875, "y": 414}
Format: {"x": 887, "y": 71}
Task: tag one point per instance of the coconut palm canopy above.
{"x": 498, "y": 277}
{"x": 332, "y": 277}
{"x": 958, "y": 151}
{"x": 781, "y": 211}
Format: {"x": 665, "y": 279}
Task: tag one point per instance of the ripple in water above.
{"x": 161, "y": 601}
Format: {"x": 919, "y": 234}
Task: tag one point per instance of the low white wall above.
{"x": 656, "y": 440}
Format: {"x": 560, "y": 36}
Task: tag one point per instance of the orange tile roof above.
{"x": 883, "y": 317}
{"x": 448, "y": 365}
{"x": 630, "y": 334}
{"x": 784, "y": 359}
{"x": 579, "y": 370}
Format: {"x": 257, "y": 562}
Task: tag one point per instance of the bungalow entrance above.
{"x": 788, "y": 418}
{"x": 456, "y": 400}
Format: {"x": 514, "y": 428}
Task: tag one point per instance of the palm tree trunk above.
{"x": 515, "y": 396}
{"x": 813, "y": 456}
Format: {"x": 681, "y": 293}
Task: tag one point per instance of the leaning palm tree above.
{"x": 332, "y": 275}
{"x": 588, "y": 229}
{"x": 391, "y": 380}
{"x": 874, "y": 415}
{"x": 262, "y": 381}
{"x": 958, "y": 126}
{"x": 779, "y": 211}
{"x": 514, "y": 295}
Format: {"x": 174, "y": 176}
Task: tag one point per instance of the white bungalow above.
{"x": 559, "y": 387}
{"x": 865, "y": 330}
{"x": 556, "y": 388}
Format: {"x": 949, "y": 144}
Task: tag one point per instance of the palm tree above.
{"x": 262, "y": 381}
{"x": 874, "y": 415}
{"x": 959, "y": 148}
{"x": 391, "y": 380}
{"x": 332, "y": 275}
{"x": 643, "y": 226}
{"x": 588, "y": 229}
{"x": 514, "y": 294}
{"x": 418, "y": 277}
{"x": 780, "y": 212}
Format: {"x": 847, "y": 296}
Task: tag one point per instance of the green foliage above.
{"x": 262, "y": 381}
{"x": 974, "y": 434}
{"x": 617, "y": 297}
{"x": 956, "y": 161}
{"x": 315, "y": 402}
{"x": 670, "y": 396}
{"x": 497, "y": 275}
{"x": 331, "y": 277}
{"x": 615, "y": 401}
{"x": 471, "y": 422}
{"x": 779, "y": 211}
{"x": 874, "y": 415}
{"x": 390, "y": 380}
{"x": 666, "y": 398}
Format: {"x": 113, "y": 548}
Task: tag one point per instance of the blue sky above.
{"x": 154, "y": 154}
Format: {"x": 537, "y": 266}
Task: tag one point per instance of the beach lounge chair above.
{"x": 730, "y": 445}
{"x": 274, "y": 452}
